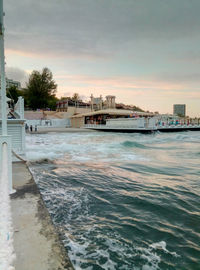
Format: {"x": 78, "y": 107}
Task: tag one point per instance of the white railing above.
{"x": 94, "y": 126}
{"x": 99, "y": 126}
{"x": 6, "y": 233}
{"x": 138, "y": 124}
{"x": 166, "y": 125}
{"x": 19, "y": 108}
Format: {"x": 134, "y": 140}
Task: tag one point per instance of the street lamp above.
{"x": 5, "y": 140}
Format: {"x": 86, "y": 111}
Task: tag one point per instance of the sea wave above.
{"x": 122, "y": 201}
{"x": 134, "y": 144}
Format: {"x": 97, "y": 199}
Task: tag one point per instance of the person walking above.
{"x": 26, "y": 128}
{"x": 31, "y": 128}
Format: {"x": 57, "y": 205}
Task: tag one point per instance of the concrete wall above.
{"x": 50, "y": 123}
{"x": 72, "y": 110}
{"x": 125, "y": 122}
{"x": 17, "y": 131}
{"x": 77, "y": 122}
{"x": 36, "y": 115}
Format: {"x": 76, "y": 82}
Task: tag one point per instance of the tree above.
{"x": 52, "y": 102}
{"x": 138, "y": 109}
{"x": 41, "y": 88}
{"x": 13, "y": 93}
{"x": 76, "y": 97}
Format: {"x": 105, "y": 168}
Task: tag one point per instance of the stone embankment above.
{"x": 36, "y": 243}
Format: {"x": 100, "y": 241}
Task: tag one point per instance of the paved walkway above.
{"x": 36, "y": 243}
{"x": 57, "y": 129}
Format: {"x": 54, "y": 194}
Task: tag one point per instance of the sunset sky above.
{"x": 145, "y": 52}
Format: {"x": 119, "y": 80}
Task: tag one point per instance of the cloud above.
{"x": 122, "y": 82}
{"x": 192, "y": 78}
{"x": 17, "y": 74}
{"x": 98, "y": 28}
{"x": 145, "y": 49}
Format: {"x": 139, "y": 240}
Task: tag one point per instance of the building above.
{"x": 97, "y": 103}
{"x": 64, "y": 104}
{"x": 10, "y": 82}
{"x": 100, "y": 117}
{"x": 180, "y": 110}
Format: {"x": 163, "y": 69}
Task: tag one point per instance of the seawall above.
{"x": 36, "y": 243}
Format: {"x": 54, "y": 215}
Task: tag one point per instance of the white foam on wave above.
{"x": 79, "y": 254}
{"x": 163, "y": 246}
{"x": 78, "y": 148}
{"x": 151, "y": 257}
{"x": 75, "y": 250}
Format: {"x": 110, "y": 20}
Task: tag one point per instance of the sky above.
{"x": 145, "y": 52}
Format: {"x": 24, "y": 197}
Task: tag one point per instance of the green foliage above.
{"x": 41, "y": 89}
{"x": 24, "y": 94}
{"x": 52, "y": 102}
{"x": 64, "y": 98}
{"x": 13, "y": 93}
{"x": 76, "y": 97}
{"x": 137, "y": 109}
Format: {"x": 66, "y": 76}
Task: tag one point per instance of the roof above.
{"x": 110, "y": 112}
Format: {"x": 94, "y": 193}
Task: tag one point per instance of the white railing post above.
{"x": 19, "y": 107}
{"x": 7, "y": 140}
{"x": 6, "y": 233}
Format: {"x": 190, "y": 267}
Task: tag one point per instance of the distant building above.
{"x": 71, "y": 107}
{"x": 97, "y": 103}
{"x": 10, "y": 82}
{"x": 180, "y": 110}
{"x": 64, "y": 104}
{"x": 99, "y": 117}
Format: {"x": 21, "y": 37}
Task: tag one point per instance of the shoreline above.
{"x": 37, "y": 244}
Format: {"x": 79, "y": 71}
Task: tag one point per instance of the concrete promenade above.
{"x": 36, "y": 242}
{"x": 59, "y": 129}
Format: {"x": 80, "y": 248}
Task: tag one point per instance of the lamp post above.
{"x": 5, "y": 140}
{"x": 3, "y": 78}
{"x": 6, "y": 241}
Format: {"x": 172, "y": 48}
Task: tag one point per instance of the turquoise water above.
{"x": 122, "y": 201}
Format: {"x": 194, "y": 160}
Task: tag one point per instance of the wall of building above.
{"x": 77, "y": 122}
{"x": 17, "y": 132}
{"x": 73, "y": 110}
{"x": 33, "y": 115}
{"x": 179, "y": 109}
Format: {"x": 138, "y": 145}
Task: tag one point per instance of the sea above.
{"x": 122, "y": 201}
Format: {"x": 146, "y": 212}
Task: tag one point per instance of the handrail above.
{"x": 6, "y": 233}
